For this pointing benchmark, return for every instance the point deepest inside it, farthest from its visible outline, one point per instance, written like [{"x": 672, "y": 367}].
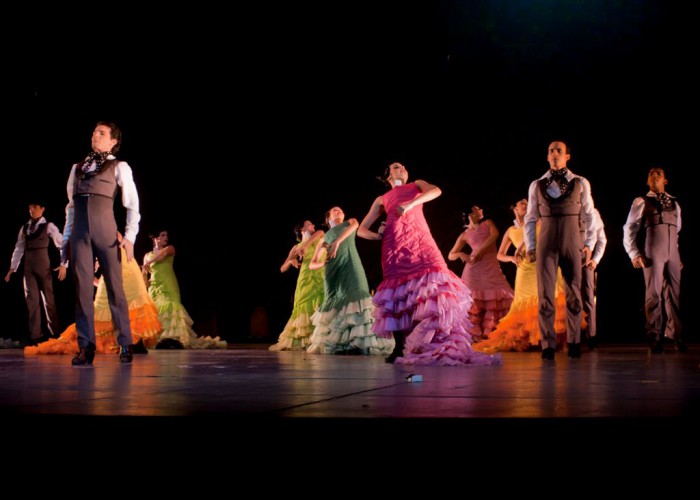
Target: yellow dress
[
  {"x": 519, "y": 329},
  {"x": 143, "y": 317}
]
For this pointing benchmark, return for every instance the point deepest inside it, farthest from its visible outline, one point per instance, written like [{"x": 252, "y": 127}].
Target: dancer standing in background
[
  {"x": 165, "y": 292},
  {"x": 33, "y": 244},
  {"x": 489, "y": 289},
  {"x": 343, "y": 323},
  {"x": 658, "y": 215},
  {"x": 308, "y": 295}
]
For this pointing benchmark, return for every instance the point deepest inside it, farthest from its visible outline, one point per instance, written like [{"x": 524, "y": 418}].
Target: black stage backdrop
[{"x": 239, "y": 125}]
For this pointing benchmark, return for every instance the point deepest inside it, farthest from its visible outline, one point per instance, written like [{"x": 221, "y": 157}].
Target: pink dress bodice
[{"x": 408, "y": 247}]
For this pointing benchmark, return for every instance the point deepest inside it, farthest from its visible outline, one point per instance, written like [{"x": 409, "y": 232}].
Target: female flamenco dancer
[
  {"x": 308, "y": 295},
  {"x": 343, "y": 323},
  {"x": 420, "y": 301},
  {"x": 165, "y": 292},
  {"x": 489, "y": 289}
]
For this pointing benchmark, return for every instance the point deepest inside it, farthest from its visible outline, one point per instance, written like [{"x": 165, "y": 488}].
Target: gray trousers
[
  {"x": 38, "y": 288},
  {"x": 661, "y": 299},
  {"x": 559, "y": 245},
  {"x": 95, "y": 236}
]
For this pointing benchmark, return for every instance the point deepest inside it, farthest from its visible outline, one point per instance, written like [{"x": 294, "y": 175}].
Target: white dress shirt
[{"x": 17, "y": 254}]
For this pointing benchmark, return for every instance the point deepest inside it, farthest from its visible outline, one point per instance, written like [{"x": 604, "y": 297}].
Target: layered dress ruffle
[
  {"x": 143, "y": 318},
  {"x": 419, "y": 295},
  {"x": 488, "y": 287},
  {"x": 308, "y": 296},
  {"x": 177, "y": 323},
  {"x": 519, "y": 330},
  {"x": 488, "y": 308},
  {"x": 348, "y": 330},
  {"x": 343, "y": 323}
]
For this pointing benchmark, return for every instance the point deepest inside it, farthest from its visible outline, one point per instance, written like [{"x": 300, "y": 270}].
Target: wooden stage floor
[
  {"x": 245, "y": 389},
  {"x": 613, "y": 381}
]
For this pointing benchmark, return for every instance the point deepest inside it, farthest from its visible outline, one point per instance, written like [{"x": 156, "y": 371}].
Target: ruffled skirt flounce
[
  {"x": 177, "y": 325},
  {"x": 519, "y": 330},
  {"x": 488, "y": 307},
  {"x": 143, "y": 319},
  {"x": 433, "y": 307},
  {"x": 348, "y": 330},
  {"x": 296, "y": 334}
]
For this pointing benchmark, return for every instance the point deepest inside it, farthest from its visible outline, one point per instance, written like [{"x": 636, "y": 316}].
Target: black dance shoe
[
  {"x": 85, "y": 356},
  {"x": 126, "y": 353},
  {"x": 397, "y": 352},
  {"x": 574, "y": 350},
  {"x": 548, "y": 353},
  {"x": 391, "y": 358}
]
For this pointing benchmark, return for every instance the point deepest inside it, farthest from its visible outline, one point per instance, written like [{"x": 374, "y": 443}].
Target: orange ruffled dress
[{"x": 143, "y": 317}]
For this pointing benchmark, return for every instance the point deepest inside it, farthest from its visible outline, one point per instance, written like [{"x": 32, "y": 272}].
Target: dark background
[{"x": 238, "y": 125}]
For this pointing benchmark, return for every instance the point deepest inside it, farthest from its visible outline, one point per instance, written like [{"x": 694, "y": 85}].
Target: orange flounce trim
[
  {"x": 145, "y": 326},
  {"x": 519, "y": 330}
]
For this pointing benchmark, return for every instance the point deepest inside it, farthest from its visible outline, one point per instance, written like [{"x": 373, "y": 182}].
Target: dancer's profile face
[
  {"x": 397, "y": 172},
  {"x": 337, "y": 215},
  {"x": 162, "y": 238}
]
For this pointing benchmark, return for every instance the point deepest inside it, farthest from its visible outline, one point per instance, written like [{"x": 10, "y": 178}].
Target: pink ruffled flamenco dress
[{"x": 420, "y": 296}]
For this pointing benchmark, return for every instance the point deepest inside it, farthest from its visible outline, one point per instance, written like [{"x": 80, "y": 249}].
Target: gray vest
[
  {"x": 569, "y": 203},
  {"x": 103, "y": 183},
  {"x": 660, "y": 227},
  {"x": 38, "y": 239},
  {"x": 654, "y": 213}
]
